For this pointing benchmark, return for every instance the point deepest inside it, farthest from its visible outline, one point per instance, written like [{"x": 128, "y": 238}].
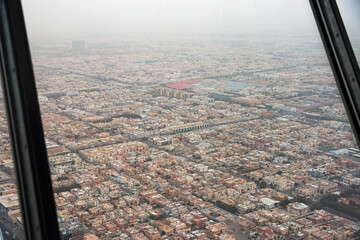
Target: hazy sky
[
  {"x": 83, "y": 19},
  {"x": 350, "y": 12}
]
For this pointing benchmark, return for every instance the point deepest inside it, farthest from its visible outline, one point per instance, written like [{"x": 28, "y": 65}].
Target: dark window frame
[
  {"x": 341, "y": 58},
  {"x": 24, "y": 119}
]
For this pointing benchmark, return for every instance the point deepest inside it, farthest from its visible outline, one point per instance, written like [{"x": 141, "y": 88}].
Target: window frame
[
  {"x": 341, "y": 58},
  {"x": 32, "y": 170}
]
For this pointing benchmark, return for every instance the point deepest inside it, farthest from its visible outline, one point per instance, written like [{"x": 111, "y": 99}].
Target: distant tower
[{"x": 78, "y": 46}]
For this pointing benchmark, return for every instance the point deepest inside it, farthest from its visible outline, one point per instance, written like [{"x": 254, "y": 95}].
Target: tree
[
  {"x": 158, "y": 217},
  {"x": 62, "y": 178},
  {"x": 346, "y": 193},
  {"x": 285, "y": 202},
  {"x": 332, "y": 197},
  {"x": 263, "y": 184},
  {"x": 66, "y": 188},
  {"x": 303, "y": 200},
  {"x": 315, "y": 206},
  {"x": 226, "y": 207}
]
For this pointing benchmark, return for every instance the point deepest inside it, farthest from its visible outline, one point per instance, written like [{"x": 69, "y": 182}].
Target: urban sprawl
[{"x": 226, "y": 138}]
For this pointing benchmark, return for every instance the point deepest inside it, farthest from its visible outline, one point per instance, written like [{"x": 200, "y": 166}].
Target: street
[{"x": 7, "y": 226}]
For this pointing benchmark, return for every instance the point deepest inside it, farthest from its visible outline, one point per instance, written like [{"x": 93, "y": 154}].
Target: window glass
[
  {"x": 192, "y": 120},
  {"x": 349, "y": 10},
  {"x": 11, "y": 226}
]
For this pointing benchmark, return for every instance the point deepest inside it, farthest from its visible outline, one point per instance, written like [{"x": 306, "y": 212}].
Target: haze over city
[
  {"x": 84, "y": 19},
  {"x": 191, "y": 119}
]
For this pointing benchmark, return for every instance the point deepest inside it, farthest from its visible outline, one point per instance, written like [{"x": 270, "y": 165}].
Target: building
[
  {"x": 188, "y": 127},
  {"x": 9, "y": 203},
  {"x": 298, "y": 208},
  {"x": 269, "y": 203},
  {"x": 350, "y": 180},
  {"x": 173, "y": 93},
  {"x": 161, "y": 141},
  {"x": 55, "y": 149}
]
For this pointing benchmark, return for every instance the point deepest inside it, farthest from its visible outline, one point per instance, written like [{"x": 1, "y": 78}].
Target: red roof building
[{"x": 186, "y": 84}]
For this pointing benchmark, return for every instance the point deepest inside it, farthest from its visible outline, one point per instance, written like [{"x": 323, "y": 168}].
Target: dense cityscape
[{"x": 211, "y": 138}]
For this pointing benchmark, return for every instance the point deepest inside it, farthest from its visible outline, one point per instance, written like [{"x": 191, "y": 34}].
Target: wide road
[{"x": 7, "y": 226}]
